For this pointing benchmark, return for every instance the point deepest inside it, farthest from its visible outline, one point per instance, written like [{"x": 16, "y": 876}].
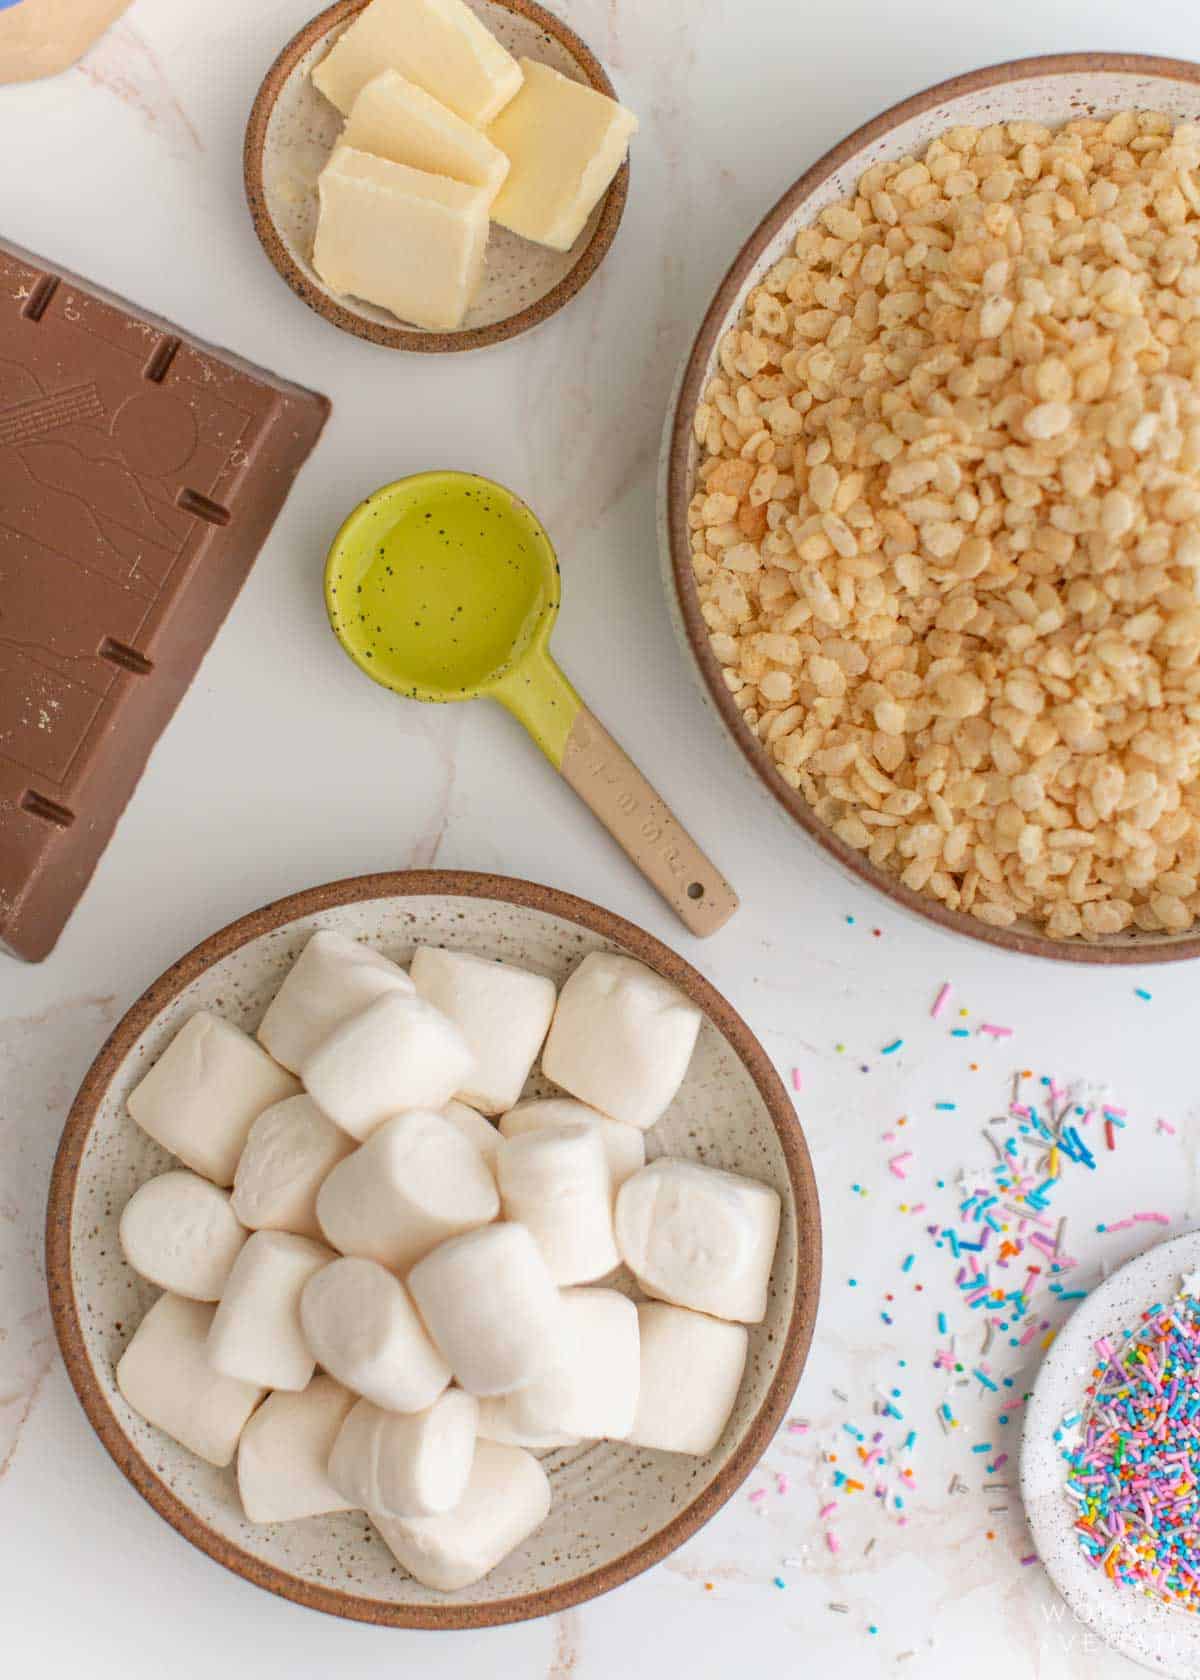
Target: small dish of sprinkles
[
  {"x": 1134, "y": 1474},
  {"x": 1110, "y": 1460}
]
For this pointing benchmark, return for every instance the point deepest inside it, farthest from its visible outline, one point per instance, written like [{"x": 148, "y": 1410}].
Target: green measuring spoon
[{"x": 443, "y": 586}]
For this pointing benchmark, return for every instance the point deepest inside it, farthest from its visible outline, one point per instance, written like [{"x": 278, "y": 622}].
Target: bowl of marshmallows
[{"x": 435, "y": 1249}]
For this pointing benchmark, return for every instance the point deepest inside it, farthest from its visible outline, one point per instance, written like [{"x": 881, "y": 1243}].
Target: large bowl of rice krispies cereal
[{"x": 931, "y": 505}]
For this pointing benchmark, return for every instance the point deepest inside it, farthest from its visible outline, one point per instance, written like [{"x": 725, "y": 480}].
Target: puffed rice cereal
[{"x": 946, "y": 530}]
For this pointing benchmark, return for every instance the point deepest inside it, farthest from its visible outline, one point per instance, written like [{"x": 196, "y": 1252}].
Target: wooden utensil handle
[{"x": 608, "y": 781}]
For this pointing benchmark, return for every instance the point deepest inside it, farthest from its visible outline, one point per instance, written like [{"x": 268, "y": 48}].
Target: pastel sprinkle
[
  {"x": 890, "y": 1049},
  {"x": 1141, "y": 992},
  {"x": 941, "y": 1000},
  {"x": 832, "y": 1541},
  {"x": 758, "y": 1496},
  {"x": 960, "y": 1032},
  {"x": 945, "y": 1105},
  {"x": 898, "y": 1165},
  {"x": 797, "y": 1082},
  {"x": 908, "y": 1263},
  {"x": 994, "y": 1031}
]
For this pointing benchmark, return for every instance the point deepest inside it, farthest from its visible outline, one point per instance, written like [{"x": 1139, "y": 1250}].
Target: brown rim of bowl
[
  {"x": 451, "y": 884},
  {"x": 412, "y": 338},
  {"x": 1148, "y": 948}
]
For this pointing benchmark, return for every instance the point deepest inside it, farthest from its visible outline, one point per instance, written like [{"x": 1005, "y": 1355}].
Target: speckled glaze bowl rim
[
  {"x": 463, "y": 884},
  {"x": 1143, "y": 948},
  {"x": 401, "y": 337}
]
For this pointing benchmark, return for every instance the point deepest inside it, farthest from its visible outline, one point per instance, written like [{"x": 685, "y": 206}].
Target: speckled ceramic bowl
[
  {"x": 617, "y": 1509},
  {"x": 292, "y": 131},
  {"x": 1047, "y": 90},
  {"x": 1142, "y": 1628}
]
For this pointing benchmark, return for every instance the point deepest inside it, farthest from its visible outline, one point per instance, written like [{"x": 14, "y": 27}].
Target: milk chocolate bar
[{"x": 140, "y": 472}]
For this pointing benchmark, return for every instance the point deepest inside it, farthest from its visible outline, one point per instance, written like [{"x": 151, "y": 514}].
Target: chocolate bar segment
[{"x": 140, "y": 472}]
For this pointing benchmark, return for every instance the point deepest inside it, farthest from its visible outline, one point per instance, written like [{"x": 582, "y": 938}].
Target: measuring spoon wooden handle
[{"x": 612, "y": 786}]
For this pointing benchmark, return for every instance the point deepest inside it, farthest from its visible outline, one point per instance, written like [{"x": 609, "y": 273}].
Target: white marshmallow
[
  {"x": 691, "y": 1371},
  {"x": 503, "y": 1013},
  {"x": 500, "y": 1420},
  {"x": 284, "y": 1451},
  {"x": 475, "y": 1128},
  {"x": 256, "y": 1334},
  {"x": 624, "y": 1145},
  {"x": 397, "y": 1053},
  {"x": 699, "y": 1237},
  {"x": 414, "y": 1464},
  {"x": 165, "y": 1376},
  {"x": 415, "y": 1182},
  {"x": 555, "y": 1182},
  {"x": 490, "y": 1304},
  {"x": 621, "y": 1039},
  {"x": 291, "y": 1150},
  {"x": 362, "y": 1327},
  {"x": 202, "y": 1095},
  {"x": 182, "y": 1233},
  {"x": 332, "y": 979},
  {"x": 590, "y": 1389},
  {"x": 507, "y": 1497}
]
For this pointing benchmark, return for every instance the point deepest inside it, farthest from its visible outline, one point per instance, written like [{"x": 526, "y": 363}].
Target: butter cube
[
  {"x": 395, "y": 119},
  {"x": 564, "y": 142},
  {"x": 439, "y": 44},
  {"x": 401, "y": 238}
]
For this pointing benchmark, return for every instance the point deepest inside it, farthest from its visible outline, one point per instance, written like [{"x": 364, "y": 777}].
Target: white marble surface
[{"x": 284, "y": 767}]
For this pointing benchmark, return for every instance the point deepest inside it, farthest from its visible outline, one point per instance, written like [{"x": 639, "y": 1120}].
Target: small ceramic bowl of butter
[{"x": 436, "y": 174}]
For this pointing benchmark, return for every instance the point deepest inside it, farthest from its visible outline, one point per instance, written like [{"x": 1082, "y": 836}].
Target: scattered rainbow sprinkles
[
  {"x": 991, "y": 1250},
  {"x": 1135, "y": 1472},
  {"x": 998, "y": 1258}
]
